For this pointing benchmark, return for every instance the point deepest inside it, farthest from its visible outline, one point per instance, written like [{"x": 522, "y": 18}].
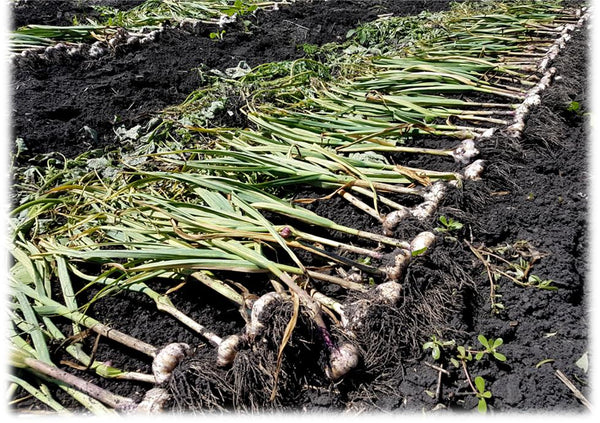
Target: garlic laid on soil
[
  {"x": 167, "y": 359},
  {"x": 432, "y": 198},
  {"x": 389, "y": 292},
  {"x": 395, "y": 271},
  {"x": 153, "y": 402},
  {"x": 465, "y": 151},
  {"x": 254, "y": 327},
  {"x": 227, "y": 350},
  {"x": 392, "y": 219},
  {"x": 354, "y": 314},
  {"x": 474, "y": 170},
  {"x": 422, "y": 241},
  {"x": 342, "y": 360}
]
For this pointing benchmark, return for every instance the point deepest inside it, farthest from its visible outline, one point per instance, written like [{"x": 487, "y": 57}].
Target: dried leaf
[{"x": 413, "y": 175}]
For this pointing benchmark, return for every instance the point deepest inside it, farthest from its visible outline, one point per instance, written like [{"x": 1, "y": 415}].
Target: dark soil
[
  {"x": 546, "y": 176},
  {"x": 534, "y": 189},
  {"x": 56, "y": 98}
]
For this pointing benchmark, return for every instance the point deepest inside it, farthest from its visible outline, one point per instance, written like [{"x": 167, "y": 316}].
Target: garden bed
[{"x": 530, "y": 204}]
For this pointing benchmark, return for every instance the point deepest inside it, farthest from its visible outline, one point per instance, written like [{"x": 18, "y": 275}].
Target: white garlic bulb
[
  {"x": 227, "y": 350},
  {"x": 167, "y": 359},
  {"x": 254, "y": 327},
  {"x": 392, "y": 220},
  {"x": 422, "y": 241},
  {"x": 474, "y": 170},
  {"x": 153, "y": 402},
  {"x": 389, "y": 292},
  {"x": 401, "y": 260}
]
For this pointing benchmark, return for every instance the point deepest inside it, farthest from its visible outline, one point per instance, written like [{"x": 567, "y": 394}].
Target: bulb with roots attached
[
  {"x": 388, "y": 293},
  {"x": 167, "y": 359},
  {"x": 227, "y": 350},
  {"x": 474, "y": 170},
  {"x": 465, "y": 151},
  {"x": 422, "y": 242},
  {"x": 342, "y": 360},
  {"x": 419, "y": 244},
  {"x": 254, "y": 327},
  {"x": 355, "y": 313},
  {"x": 393, "y": 218}
]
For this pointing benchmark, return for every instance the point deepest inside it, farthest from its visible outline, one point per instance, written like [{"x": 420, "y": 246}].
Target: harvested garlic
[
  {"x": 342, "y": 360},
  {"x": 167, "y": 359},
  {"x": 227, "y": 350},
  {"x": 254, "y": 327},
  {"x": 389, "y": 292}
]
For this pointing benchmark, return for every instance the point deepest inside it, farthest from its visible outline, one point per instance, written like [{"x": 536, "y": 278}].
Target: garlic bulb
[
  {"x": 436, "y": 192},
  {"x": 401, "y": 260},
  {"x": 167, "y": 359},
  {"x": 422, "y": 241},
  {"x": 488, "y": 133},
  {"x": 388, "y": 292},
  {"x": 153, "y": 401},
  {"x": 474, "y": 170},
  {"x": 465, "y": 151},
  {"x": 254, "y": 327},
  {"x": 391, "y": 220},
  {"x": 342, "y": 360},
  {"x": 227, "y": 350}
]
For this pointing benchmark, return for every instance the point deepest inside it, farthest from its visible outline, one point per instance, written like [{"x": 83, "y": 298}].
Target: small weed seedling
[
  {"x": 491, "y": 345},
  {"x": 482, "y": 394},
  {"x": 217, "y": 36},
  {"x": 448, "y": 226},
  {"x": 519, "y": 274},
  {"x": 463, "y": 355},
  {"x": 436, "y": 346},
  {"x": 574, "y": 108}
]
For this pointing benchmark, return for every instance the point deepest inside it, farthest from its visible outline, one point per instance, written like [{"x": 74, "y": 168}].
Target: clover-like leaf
[
  {"x": 484, "y": 341},
  {"x": 499, "y": 357},
  {"x": 482, "y": 406},
  {"x": 480, "y": 384}
]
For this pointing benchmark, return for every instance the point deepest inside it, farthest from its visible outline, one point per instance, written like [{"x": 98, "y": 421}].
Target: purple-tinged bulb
[{"x": 342, "y": 360}]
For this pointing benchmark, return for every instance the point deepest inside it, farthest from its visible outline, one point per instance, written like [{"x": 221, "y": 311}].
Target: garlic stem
[{"x": 112, "y": 400}]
